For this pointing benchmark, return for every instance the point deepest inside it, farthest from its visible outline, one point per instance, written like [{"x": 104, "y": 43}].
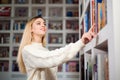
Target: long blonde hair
[{"x": 26, "y": 39}]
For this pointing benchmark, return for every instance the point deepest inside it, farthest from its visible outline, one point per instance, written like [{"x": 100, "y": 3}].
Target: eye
[
  {"x": 38, "y": 23},
  {"x": 44, "y": 23}
]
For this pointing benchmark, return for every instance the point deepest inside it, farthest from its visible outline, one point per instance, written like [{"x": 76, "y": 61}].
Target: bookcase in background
[
  {"x": 62, "y": 20},
  {"x": 99, "y": 58}
]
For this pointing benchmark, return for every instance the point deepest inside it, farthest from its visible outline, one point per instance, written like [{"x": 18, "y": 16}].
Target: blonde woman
[{"x": 38, "y": 62}]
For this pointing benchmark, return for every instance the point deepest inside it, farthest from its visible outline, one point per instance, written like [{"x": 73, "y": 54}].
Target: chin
[{"x": 42, "y": 34}]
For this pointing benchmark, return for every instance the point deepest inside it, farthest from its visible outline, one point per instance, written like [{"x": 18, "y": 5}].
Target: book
[
  {"x": 99, "y": 17},
  {"x": 39, "y": 12},
  {"x": 72, "y": 37},
  {"x": 60, "y": 69},
  {"x": 86, "y": 22},
  {"x": 5, "y": 11},
  {"x": 82, "y": 67},
  {"x": 4, "y": 66},
  {"x": 15, "y": 66},
  {"x": 69, "y": 1},
  {"x": 5, "y": 1},
  {"x": 106, "y": 65},
  {"x": 55, "y": 38},
  {"x": 82, "y": 30},
  {"x": 88, "y": 67},
  {"x": 4, "y": 52},
  {"x": 94, "y": 15},
  {"x": 102, "y": 64},
  {"x": 72, "y": 66},
  {"x": 102, "y": 14},
  {"x": 95, "y": 68}
]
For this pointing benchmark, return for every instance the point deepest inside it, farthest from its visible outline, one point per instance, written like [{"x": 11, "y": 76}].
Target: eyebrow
[{"x": 40, "y": 21}]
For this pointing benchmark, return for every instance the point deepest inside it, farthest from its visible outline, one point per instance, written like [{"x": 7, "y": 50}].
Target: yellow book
[
  {"x": 99, "y": 17},
  {"x": 103, "y": 14}
]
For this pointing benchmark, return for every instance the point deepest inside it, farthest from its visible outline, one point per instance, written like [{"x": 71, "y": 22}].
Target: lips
[{"x": 43, "y": 29}]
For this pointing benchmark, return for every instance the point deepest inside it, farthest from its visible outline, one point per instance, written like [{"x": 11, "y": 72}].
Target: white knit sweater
[{"x": 41, "y": 64}]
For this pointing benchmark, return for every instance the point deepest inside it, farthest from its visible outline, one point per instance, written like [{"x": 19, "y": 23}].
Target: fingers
[
  {"x": 92, "y": 28},
  {"x": 91, "y": 31},
  {"x": 87, "y": 37},
  {"x": 92, "y": 34}
]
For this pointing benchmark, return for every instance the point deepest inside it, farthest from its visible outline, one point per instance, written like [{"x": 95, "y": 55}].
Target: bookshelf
[
  {"x": 62, "y": 20},
  {"x": 99, "y": 59}
]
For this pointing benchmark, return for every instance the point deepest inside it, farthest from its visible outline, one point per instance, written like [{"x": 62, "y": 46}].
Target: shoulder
[
  {"x": 33, "y": 50},
  {"x": 27, "y": 47}
]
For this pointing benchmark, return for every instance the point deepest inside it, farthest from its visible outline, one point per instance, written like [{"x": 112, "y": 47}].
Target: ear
[{"x": 32, "y": 29}]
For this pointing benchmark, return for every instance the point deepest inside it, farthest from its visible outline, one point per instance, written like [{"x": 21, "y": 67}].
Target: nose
[{"x": 43, "y": 25}]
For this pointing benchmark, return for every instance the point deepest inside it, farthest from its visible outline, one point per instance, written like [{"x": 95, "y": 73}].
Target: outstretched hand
[{"x": 88, "y": 36}]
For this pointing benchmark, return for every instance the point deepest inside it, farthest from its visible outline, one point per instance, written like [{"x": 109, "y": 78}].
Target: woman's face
[{"x": 39, "y": 27}]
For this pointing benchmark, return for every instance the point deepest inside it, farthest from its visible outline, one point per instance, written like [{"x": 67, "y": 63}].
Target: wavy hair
[{"x": 26, "y": 39}]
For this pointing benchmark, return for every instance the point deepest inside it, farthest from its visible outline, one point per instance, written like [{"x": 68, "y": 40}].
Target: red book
[{"x": 5, "y": 11}]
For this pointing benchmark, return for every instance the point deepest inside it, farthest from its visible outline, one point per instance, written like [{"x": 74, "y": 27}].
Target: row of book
[
  {"x": 4, "y": 38},
  {"x": 55, "y": 25},
  {"x": 5, "y": 25},
  {"x": 4, "y": 66},
  {"x": 17, "y": 38},
  {"x": 71, "y": 66},
  {"x": 19, "y": 25},
  {"x": 21, "y": 11},
  {"x": 72, "y": 1},
  {"x": 72, "y": 37},
  {"x": 4, "y": 52},
  {"x": 15, "y": 66},
  {"x": 5, "y": 1},
  {"x": 72, "y": 25},
  {"x": 9, "y": 1},
  {"x": 72, "y": 13},
  {"x": 100, "y": 67},
  {"x": 96, "y": 68},
  {"x": 15, "y": 51},
  {"x": 95, "y": 14},
  {"x": 55, "y": 38},
  {"x": 38, "y": 1}
]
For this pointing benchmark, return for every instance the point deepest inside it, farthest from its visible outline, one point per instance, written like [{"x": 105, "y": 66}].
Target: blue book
[{"x": 86, "y": 22}]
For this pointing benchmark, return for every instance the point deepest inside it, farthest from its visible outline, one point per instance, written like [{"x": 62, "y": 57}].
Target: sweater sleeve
[{"x": 36, "y": 58}]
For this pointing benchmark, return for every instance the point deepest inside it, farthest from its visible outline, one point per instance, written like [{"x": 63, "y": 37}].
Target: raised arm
[{"x": 37, "y": 58}]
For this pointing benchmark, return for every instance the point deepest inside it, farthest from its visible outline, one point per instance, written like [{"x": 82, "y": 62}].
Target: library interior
[{"x": 66, "y": 22}]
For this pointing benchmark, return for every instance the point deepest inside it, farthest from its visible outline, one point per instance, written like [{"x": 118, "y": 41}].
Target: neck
[{"x": 37, "y": 38}]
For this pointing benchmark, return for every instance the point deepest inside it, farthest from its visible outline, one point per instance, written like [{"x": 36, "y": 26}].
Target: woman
[{"x": 38, "y": 62}]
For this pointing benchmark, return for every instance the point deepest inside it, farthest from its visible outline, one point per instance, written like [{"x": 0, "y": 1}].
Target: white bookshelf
[
  {"x": 105, "y": 43},
  {"x": 54, "y": 12}
]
